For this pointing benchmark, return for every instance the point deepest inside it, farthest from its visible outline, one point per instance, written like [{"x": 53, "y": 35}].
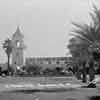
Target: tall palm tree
[
  {"x": 7, "y": 46},
  {"x": 86, "y": 37}
]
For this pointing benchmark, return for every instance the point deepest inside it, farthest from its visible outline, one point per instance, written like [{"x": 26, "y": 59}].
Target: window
[
  {"x": 49, "y": 62},
  {"x": 57, "y": 62},
  {"x": 17, "y": 43}
]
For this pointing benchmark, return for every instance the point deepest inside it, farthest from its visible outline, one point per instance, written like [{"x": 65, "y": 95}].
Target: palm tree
[
  {"x": 7, "y": 46},
  {"x": 86, "y": 38}
]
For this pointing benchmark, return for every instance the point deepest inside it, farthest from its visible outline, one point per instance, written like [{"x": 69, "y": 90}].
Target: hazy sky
[{"x": 45, "y": 24}]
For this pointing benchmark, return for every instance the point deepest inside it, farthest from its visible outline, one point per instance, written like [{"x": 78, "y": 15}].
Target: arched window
[
  {"x": 57, "y": 62},
  {"x": 18, "y": 43}
]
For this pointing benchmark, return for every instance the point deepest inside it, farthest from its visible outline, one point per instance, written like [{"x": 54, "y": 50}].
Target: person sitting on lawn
[{"x": 92, "y": 84}]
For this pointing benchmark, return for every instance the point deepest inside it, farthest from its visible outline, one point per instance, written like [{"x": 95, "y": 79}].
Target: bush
[{"x": 32, "y": 69}]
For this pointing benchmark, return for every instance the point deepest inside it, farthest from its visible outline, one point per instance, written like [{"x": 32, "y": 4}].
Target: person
[{"x": 92, "y": 84}]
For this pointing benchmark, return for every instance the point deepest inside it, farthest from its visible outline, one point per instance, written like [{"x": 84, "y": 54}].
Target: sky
[{"x": 45, "y": 24}]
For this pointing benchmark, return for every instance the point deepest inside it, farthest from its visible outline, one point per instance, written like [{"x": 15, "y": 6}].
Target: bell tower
[{"x": 17, "y": 50}]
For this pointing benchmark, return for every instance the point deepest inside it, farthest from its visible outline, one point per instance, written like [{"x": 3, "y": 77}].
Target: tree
[
  {"x": 86, "y": 38},
  {"x": 7, "y": 46}
]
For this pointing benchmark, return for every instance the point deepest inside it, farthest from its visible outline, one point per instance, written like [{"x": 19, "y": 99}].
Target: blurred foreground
[{"x": 31, "y": 94}]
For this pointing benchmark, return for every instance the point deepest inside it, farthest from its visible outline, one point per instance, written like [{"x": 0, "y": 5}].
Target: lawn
[{"x": 70, "y": 94}]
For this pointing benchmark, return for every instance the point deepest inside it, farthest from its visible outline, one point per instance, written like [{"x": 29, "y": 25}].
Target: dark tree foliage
[
  {"x": 7, "y": 46},
  {"x": 85, "y": 41},
  {"x": 33, "y": 69},
  {"x": 96, "y": 56}
]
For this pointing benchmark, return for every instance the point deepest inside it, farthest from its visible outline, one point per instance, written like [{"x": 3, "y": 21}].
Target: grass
[
  {"x": 82, "y": 94},
  {"x": 71, "y": 94}
]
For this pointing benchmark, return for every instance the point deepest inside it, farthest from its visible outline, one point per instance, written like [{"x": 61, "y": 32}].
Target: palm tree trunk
[
  {"x": 78, "y": 74},
  {"x": 84, "y": 73},
  {"x": 91, "y": 74},
  {"x": 91, "y": 71},
  {"x": 84, "y": 76},
  {"x": 8, "y": 64}
]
